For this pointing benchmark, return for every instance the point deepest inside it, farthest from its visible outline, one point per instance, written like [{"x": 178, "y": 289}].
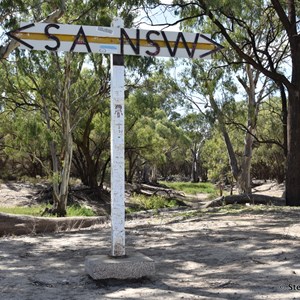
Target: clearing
[{"x": 248, "y": 253}]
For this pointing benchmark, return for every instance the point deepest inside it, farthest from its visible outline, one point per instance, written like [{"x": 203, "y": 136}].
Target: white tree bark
[
  {"x": 244, "y": 178},
  {"x": 241, "y": 172},
  {"x": 64, "y": 113}
]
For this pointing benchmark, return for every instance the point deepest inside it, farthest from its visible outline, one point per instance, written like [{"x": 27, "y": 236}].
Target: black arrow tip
[{"x": 12, "y": 32}]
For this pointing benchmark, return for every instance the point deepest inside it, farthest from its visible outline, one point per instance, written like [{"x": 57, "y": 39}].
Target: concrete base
[{"x": 135, "y": 265}]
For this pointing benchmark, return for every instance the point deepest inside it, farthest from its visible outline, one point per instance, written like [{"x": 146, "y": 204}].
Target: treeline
[
  {"x": 222, "y": 120},
  {"x": 166, "y": 138}
]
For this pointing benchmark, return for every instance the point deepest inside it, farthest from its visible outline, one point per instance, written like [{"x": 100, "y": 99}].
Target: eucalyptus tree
[
  {"x": 54, "y": 81},
  {"x": 268, "y": 151},
  {"x": 197, "y": 129},
  {"x": 220, "y": 90},
  {"x": 24, "y": 148},
  {"x": 269, "y": 158},
  {"x": 280, "y": 22},
  {"x": 155, "y": 143},
  {"x": 92, "y": 133},
  {"x": 21, "y": 123}
]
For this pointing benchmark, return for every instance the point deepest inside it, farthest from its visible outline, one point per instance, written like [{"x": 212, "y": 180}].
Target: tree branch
[{"x": 283, "y": 17}]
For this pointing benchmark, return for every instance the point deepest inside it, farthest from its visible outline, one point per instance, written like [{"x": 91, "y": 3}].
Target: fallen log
[
  {"x": 244, "y": 199},
  {"x": 19, "y": 224}
]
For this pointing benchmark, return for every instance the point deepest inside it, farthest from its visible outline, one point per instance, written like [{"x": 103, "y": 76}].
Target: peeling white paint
[{"x": 117, "y": 157}]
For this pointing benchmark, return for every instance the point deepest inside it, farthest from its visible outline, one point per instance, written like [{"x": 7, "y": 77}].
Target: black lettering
[
  {"x": 76, "y": 42},
  {"x": 180, "y": 36},
  {"x": 216, "y": 48},
  {"x": 152, "y": 43},
  {"x": 52, "y": 37},
  {"x": 135, "y": 48},
  {"x": 171, "y": 51},
  {"x": 12, "y": 33},
  {"x": 194, "y": 47},
  {"x": 291, "y": 287}
]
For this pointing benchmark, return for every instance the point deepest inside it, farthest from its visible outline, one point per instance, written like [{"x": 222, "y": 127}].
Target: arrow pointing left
[{"x": 14, "y": 35}]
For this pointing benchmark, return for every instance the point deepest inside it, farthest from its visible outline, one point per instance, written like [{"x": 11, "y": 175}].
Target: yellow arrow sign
[
  {"x": 77, "y": 38},
  {"x": 107, "y": 40}
]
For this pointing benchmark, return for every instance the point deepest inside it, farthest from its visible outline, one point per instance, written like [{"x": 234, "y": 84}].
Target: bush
[
  {"x": 142, "y": 202},
  {"x": 192, "y": 188}
]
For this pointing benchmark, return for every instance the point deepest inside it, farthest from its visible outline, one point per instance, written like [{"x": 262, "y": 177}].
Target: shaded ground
[
  {"x": 25, "y": 194},
  {"x": 19, "y": 194},
  {"x": 208, "y": 256},
  {"x": 251, "y": 254}
]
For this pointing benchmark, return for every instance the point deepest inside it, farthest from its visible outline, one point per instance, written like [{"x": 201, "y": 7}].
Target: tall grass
[
  {"x": 142, "y": 202},
  {"x": 192, "y": 188},
  {"x": 37, "y": 210},
  {"x": 80, "y": 211}
]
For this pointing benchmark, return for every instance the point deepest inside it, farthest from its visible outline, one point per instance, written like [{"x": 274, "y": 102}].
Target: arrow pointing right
[
  {"x": 13, "y": 34},
  {"x": 218, "y": 46}
]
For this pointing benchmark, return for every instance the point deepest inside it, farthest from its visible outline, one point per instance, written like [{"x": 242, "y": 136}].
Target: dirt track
[{"x": 209, "y": 256}]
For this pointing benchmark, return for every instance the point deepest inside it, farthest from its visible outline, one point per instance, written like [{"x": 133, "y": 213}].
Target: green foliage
[
  {"x": 157, "y": 134},
  {"x": 269, "y": 160},
  {"x": 152, "y": 137},
  {"x": 268, "y": 156},
  {"x": 215, "y": 158},
  {"x": 37, "y": 210},
  {"x": 78, "y": 211},
  {"x": 192, "y": 188},
  {"x": 142, "y": 202}
]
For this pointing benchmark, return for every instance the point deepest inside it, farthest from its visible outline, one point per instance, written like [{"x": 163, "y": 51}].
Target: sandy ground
[
  {"x": 18, "y": 194},
  {"x": 216, "y": 255}
]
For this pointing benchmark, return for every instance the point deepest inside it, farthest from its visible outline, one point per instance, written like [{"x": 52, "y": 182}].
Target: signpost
[
  {"x": 117, "y": 41},
  {"x": 113, "y": 40},
  {"x": 117, "y": 106}
]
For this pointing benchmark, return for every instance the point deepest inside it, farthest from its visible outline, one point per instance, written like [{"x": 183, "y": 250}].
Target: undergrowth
[
  {"x": 36, "y": 210},
  {"x": 192, "y": 188},
  {"x": 142, "y": 202}
]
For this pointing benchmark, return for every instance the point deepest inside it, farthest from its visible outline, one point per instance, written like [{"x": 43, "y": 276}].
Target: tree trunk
[
  {"x": 293, "y": 158},
  {"x": 132, "y": 165},
  {"x": 61, "y": 208},
  {"x": 145, "y": 174},
  {"x": 86, "y": 158},
  {"x": 243, "y": 199},
  {"x": 61, "y": 205},
  {"x": 244, "y": 178},
  {"x": 53, "y": 152},
  {"x": 284, "y": 117},
  {"x": 102, "y": 178},
  {"x": 153, "y": 178},
  {"x": 86, "y": 165},
  {"x": 241, "y": 173},
  {"x": 91, "y": 170},
  {"x": 195, "y": 166},
  {"x": 232, "y": 158}
]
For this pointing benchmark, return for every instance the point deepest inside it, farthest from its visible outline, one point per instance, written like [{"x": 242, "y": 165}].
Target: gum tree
[
  {"x": 54, "y": 79},
  {"x": 280, "y": 22}
]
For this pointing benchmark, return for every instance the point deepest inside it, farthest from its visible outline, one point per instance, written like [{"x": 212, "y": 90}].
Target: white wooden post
[{"x": 117, "y": 152}]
